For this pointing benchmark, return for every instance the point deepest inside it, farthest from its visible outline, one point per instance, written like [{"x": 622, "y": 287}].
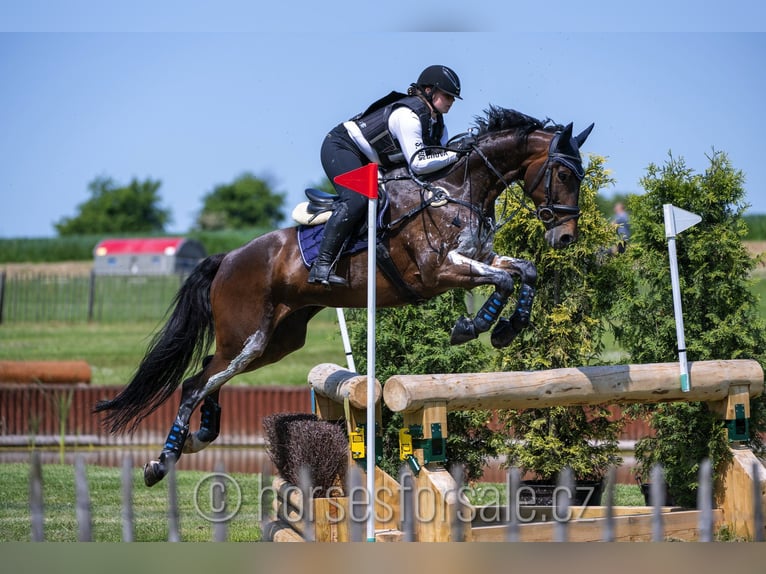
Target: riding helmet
[{"x": 440, "y": 77}]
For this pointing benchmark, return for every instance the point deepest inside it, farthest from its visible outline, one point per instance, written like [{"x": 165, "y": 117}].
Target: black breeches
[{"x": 339, "y": 155}]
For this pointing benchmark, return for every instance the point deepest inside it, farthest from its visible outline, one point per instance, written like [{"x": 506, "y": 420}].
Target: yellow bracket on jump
[
  {"x": 356, "y": 437},
  {"x": 405, "y": 444}
]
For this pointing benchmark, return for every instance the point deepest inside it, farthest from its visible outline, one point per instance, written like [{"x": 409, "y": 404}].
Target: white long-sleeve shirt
[{"x": 406, "y": 128}]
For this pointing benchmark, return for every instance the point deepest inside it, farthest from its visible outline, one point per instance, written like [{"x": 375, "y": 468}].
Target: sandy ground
[{"x": 756, "y": 247}]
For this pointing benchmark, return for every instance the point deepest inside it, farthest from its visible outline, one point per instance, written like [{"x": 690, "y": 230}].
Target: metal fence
[
  {"x": 81, "y": 298},
  {"x": 274, "y": 527}
]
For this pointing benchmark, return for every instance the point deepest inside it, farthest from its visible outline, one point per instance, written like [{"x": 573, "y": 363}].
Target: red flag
[{"x": 362, "y": 180}]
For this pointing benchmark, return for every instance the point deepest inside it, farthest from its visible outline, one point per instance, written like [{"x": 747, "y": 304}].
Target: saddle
[
  {"x": 320, "y": 205},
  {"x": 311, "y": 216},
  {"x": 317, "y": 209}
]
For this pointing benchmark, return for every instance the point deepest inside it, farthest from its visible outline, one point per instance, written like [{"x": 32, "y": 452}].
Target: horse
[{"x": 255, "y": 302}]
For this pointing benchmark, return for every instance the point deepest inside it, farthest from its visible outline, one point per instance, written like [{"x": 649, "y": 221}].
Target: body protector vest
[{"x": 373, "y": 123}]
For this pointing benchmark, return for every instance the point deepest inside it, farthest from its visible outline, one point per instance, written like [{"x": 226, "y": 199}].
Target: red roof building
[{"x": 147, "y": 256}]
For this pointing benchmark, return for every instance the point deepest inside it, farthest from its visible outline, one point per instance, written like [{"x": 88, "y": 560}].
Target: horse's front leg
[
  {"x": 506, "y": 330},
  {"x": 470, "y": 273}
]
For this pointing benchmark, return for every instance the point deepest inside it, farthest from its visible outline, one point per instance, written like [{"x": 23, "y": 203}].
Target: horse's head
[{"x": 552, "y": 180}]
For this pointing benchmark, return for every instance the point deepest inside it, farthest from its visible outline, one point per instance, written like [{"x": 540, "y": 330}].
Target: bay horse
[{"x": 255, "y": 302}]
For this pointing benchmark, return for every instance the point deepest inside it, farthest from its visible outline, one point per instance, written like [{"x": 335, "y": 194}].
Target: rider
[{"x": 390, "y": 133}]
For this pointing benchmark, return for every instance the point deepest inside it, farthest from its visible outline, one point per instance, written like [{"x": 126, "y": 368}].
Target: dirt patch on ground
[
  {"x": 70, "y": 268},
  {"x": 756, "y": 247}
]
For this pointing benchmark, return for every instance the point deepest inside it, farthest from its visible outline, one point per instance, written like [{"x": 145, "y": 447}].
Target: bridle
[
  {"x": 554, "y": 214},
  {"x": 550, "y": 214}
]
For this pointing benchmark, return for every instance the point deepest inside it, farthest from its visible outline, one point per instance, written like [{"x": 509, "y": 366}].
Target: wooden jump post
[
  {"x": 727, "y": 385},
  {"x": 425, "y": 400},
  {"x": 342, "y": 394}
]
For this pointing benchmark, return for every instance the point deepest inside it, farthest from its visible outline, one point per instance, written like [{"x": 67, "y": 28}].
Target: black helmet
[{"x": 440, "y": 77}]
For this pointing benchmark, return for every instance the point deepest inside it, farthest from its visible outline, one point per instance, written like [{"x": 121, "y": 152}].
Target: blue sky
[{"x": 194, "y": 100}]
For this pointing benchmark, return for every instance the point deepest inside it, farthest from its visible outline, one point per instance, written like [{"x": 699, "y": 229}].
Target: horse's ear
[
  {"x": 566, "y": 135},
  {"x": 564, "y": 144},
  {"x": 580, "y": 139}
]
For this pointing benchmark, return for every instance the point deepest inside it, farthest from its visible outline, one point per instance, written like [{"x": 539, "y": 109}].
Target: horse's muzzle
[{"x": 560, "y": 237}]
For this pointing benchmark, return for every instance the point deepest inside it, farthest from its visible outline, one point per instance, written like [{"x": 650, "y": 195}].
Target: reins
[{"x": 548, "y": 213}]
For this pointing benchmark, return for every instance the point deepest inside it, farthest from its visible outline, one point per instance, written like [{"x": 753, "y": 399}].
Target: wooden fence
[
  {"x": 424, "y": 400},
  {"x": 31, "y": 414}
]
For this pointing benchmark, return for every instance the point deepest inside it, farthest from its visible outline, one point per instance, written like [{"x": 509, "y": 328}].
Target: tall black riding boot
[{"x": 337, "y": 229}]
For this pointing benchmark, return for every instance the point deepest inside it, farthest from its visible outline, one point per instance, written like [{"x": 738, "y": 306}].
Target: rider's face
[{"x": 442, "y": 101}]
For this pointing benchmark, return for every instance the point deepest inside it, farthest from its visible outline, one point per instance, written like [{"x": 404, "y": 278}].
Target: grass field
[
  {"x": 115, "y": 350},
  {"x": 151, "y": 505}
]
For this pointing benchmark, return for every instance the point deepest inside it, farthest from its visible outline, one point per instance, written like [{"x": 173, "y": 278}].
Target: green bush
[
  {"x": 575, "y": 290},
  {"x": 721, "y": 316}
]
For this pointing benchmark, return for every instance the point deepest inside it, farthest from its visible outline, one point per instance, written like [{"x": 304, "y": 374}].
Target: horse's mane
[{"x": 498, "y": 119}]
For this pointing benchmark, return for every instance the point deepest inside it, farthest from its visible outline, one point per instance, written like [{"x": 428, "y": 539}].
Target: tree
[
  {"x": 575, "y": 286},
  {"x": 247, "y": 202},
  {"x": 574, "y": 294},
  {"x": 113, "y": 208},
  {"x": 721, "y": 319}
]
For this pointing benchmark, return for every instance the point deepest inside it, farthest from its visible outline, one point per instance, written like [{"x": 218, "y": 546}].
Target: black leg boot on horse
[{"x": 337, "y": 230}]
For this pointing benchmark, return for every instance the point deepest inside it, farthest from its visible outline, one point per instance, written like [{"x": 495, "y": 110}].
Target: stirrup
[{"x": 328, "y": 279}]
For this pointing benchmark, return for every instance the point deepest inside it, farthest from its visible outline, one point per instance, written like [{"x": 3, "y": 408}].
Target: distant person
[
  {"x": 390, "y": 133},
  {"x": 622, "y": 222}
]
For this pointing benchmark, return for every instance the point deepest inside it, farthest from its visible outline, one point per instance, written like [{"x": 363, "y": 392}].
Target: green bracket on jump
[
  {"x": 739, "y": 427},
  {"x": 434, "y": 448}
]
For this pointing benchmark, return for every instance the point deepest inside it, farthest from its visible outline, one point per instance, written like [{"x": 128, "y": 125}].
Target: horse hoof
[
  {"x": 463, "y": 331},
  {"x": 154, "y": 472},
  {"x": 503, "y": 334}
]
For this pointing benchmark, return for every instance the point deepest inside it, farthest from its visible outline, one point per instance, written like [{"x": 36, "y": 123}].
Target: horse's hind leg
[
  {"x": 176, "y": 440},
  {"x": 194, "y": 390},
  {"x": 289, "y": 336},
  {"x": 210, "y": 421}
]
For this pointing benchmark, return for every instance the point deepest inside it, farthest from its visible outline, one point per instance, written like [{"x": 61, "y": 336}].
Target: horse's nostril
[{"x": 566, "y": 239}]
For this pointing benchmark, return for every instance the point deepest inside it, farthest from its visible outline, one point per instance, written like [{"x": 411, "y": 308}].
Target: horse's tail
[{"x": 186, "y": 337}]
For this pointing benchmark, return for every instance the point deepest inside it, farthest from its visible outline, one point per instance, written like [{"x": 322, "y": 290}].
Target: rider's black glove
[{"x": 465, "y": 144}]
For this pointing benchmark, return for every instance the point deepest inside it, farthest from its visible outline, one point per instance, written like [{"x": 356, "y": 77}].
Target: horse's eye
[{"x": 563, "y": 176}]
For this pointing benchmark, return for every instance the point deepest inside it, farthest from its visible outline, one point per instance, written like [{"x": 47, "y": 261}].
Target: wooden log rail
[
  {"x": 711, "y": 381},
  {"x": 336, "y": 383},
  {"x": 47, "y": 372}
]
